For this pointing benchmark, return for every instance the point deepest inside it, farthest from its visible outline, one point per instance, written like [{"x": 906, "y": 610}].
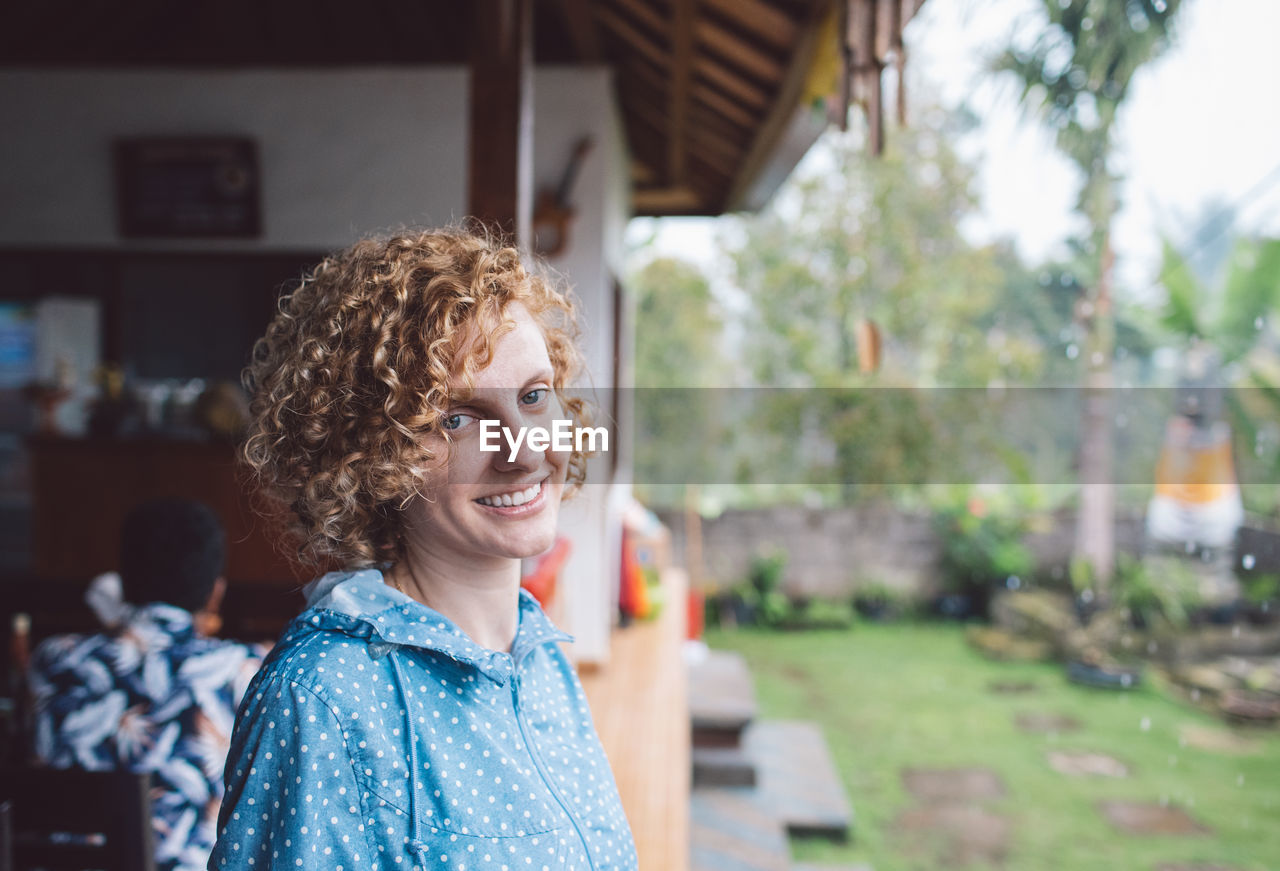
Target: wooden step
[
  {"x": 797, "y": 779},
  {"x": 732, "y": 831},
  {"x": 722, "y": 699},
  {"x": 723, "y": 766}
]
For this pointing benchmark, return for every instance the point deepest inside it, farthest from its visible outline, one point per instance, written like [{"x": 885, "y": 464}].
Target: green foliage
[
  {"x": 1077, "y": 73},
  {"x": 880, "y": 601},
  {"x": 1080, "y": 571},
  {"x": 1228, "y": 315},
  {"x": 764, "y": 588},
  {"x": 680, "y": 437},
  {"x": 1261, "y": 588},
  {"x": 1155, "y": 592},
  {"x": 878, "y": 239},
  {"x": 980, "y": 548},
  {"x": 679, "y": 327},
  {"x": 818, "y": 613}
]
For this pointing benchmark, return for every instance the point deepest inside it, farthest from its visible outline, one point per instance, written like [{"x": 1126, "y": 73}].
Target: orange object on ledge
[{"x": 541, "y": 580}]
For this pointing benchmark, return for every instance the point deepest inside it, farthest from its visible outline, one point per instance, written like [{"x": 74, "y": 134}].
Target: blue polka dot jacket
[{"x": 379, "y": 735}]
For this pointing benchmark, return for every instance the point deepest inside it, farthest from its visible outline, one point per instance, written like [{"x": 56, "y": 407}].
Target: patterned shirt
[
  {"x": 150, "y": 696},
  {"x": 379, "y": 735}
]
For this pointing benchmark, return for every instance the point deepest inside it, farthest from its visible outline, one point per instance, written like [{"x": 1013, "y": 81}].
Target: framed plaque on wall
[{"x": 206, "y": 187}]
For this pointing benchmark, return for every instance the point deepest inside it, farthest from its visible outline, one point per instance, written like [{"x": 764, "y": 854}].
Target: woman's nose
[{"x": 523, "y": 439}]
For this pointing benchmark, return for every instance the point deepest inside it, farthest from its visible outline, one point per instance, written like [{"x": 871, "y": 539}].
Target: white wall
[
  {"x": 343, "y": 153},
  {"x": 569, "y": 104}
]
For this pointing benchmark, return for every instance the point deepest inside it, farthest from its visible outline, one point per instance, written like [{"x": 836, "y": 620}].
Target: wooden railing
[{"x": 640, "y": 704}]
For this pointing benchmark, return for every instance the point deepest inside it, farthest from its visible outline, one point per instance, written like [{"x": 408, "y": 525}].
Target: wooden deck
[{"x": 641, "y": 711}]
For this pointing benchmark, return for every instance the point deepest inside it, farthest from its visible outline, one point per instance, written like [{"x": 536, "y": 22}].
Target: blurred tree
[
  {"x": 850, "y": 238},
  {"x": 681, "y": 372},
  {"x": 1075, "y": 76},
  {"x": 1231, "y": 314},
  {"x": 679, "y": 327},
  {"x": 857, "y": 238}
]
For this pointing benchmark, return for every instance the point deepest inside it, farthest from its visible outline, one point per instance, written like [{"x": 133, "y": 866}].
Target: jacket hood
[{"x": 361, "y": 604}]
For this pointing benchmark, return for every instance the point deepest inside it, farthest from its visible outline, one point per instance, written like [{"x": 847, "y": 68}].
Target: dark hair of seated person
[{"x": 171, "y": 551}]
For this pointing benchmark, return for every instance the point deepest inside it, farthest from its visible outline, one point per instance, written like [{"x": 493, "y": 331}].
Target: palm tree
[{"x": 1074, "y": 78}]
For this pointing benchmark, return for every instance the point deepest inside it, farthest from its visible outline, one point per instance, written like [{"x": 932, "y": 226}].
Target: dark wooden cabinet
[{"x": 81, "y": 490}]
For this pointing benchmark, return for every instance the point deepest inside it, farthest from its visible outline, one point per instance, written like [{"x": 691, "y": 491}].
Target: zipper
[{"x": 542, "y": 769}]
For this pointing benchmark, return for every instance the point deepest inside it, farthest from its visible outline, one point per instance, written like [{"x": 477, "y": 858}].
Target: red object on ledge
[{"x": 541, "y": 580}]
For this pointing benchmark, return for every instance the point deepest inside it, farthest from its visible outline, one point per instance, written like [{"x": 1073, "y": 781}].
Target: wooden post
[
  {"x": 682, "y": 16},
  {"x": 501, "y": 116},
  {"x": 693, "y": 535}
]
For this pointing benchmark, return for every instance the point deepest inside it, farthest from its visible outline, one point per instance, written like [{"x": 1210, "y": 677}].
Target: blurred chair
[{"x": 73, "y": 820}]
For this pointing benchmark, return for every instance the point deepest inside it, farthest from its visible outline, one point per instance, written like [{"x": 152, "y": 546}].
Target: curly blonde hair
[{"x": 356, "y": 366}]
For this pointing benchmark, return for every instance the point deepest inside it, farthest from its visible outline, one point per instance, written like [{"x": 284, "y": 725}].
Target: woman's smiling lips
[{"x": 512, "y": 503}]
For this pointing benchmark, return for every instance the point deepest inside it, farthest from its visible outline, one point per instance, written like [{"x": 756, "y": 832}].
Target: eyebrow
[{"x": 464, "y": 394}]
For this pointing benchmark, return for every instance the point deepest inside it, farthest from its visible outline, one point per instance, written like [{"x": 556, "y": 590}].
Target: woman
[{"x": 419, "y": 713}]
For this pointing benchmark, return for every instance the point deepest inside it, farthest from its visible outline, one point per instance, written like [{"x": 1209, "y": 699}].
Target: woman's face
[{"x": 499, "y": 504}]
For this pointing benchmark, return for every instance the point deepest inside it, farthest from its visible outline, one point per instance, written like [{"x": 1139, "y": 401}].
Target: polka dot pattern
[{"x": 378, "y": 735}]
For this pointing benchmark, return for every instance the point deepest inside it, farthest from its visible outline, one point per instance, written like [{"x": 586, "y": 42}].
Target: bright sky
[{"x": 1202, "y": 125}]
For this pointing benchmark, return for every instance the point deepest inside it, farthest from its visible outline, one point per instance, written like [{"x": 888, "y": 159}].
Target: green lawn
[{"x": 897, "y": 696}]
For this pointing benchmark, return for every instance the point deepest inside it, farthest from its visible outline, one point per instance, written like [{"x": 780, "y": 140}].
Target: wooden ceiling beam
[
  {"x": 631, "y": 37},
  {"x": 683, "y": 14},
  {"x": 708, "y": 140},
  {"x": 724, "y": 107},
  {"x": 667, "y": 201},
  {"x": 636, "y": 68},
  {"x": 734, "y": 86},
  {"x": 645, "y": 15},
  {"x": 760, "y": 17},
  {"x": 742, "y": 54},
  {"x": 643, "y": 175},
  {"x": 784, "y": 105},
  {"x": 580, "y": 24},
  {"x": 702, "y": 116},
  {"x": 500, "y": 116}
]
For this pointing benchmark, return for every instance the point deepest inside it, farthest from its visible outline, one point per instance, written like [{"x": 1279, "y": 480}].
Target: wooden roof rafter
[{"x": 713, "y": 76}]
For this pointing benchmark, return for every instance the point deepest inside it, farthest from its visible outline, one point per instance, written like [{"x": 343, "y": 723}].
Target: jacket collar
[{"x": 361, "y": 603}]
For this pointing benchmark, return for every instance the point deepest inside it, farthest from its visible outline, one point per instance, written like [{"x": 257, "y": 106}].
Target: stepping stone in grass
[
  {"x": 1081, "y": 762},
  {"x": 961, "y": 834},
  {"x": 1218, "y": 740},
  {"x": 953, "y": 784},
  {"x": 731, "y": 830},
  {"x": 1012, "y": 687},
  {"x": 798, "y": 778},
  {"x": 1140, "y": 818},
  {"x": 1035, "y": 721}
]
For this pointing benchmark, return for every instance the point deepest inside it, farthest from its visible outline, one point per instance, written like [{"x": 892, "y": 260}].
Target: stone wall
[{"x": 831, "y": 552}]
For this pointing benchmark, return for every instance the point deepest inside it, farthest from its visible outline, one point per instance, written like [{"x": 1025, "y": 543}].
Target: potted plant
[
  {"x": 759, "y": 600},
  {"x": 980, "y": 551},
  {"x": 1261, "y": 595},
  {"x": 1153, "y": 596},
  {"x": 878, "y": 601}
]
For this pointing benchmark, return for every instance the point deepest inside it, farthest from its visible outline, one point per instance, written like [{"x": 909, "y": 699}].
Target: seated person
[{"x": 151, "y": 694}]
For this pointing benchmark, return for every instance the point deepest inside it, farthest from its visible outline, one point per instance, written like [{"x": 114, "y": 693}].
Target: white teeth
[{"x": 510, "y": 500}]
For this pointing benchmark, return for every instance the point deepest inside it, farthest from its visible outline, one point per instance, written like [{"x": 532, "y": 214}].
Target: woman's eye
[
  {"x": 533, "y": 397},
  {"x": 455, "y": 421}
]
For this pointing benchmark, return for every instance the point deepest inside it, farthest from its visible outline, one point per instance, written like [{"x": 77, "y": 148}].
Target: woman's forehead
[{"x": 518, "y": 353}]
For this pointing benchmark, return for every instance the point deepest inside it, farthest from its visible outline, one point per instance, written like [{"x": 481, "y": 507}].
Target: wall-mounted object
[{"x": 188, "y": 187}]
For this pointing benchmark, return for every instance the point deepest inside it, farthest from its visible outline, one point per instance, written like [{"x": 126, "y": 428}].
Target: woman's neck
[{"x": 483, "y": 601}]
